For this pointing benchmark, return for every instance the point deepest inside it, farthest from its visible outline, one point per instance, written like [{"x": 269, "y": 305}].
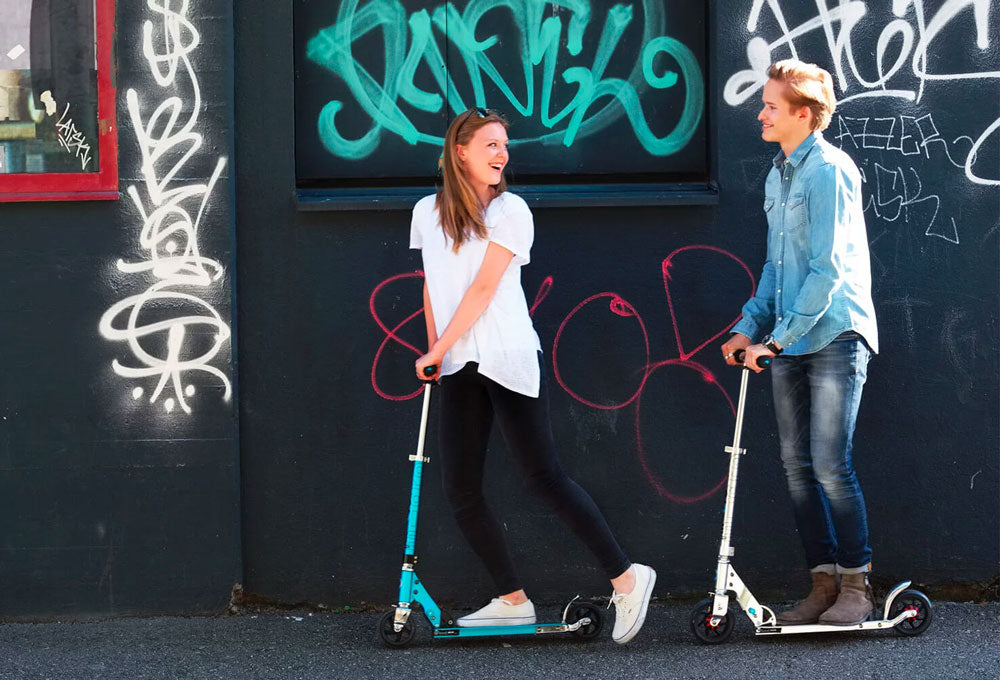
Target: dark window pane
[
  {"x": 48, "y": 87},
  {"x": 595, "y": 91}
]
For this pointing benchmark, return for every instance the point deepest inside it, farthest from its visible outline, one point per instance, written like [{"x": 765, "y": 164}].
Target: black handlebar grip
[
  {"x": 430, "y": 370},
  {"x": 762, "y": 362}
]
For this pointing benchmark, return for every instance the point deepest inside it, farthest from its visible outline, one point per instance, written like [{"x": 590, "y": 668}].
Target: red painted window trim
[{"x": 82, "y": 186}]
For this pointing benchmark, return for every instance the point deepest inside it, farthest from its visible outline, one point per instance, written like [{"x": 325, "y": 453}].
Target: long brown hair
[{"x": 459, "y": 209}]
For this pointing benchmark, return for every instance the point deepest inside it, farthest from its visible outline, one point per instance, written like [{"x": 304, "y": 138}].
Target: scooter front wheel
[
  {"x": 912, "y": 600},
  {"x": 387, "y": 631},
  {"x": 701, "y": 624},
  {"x": 580, "y": 610}
]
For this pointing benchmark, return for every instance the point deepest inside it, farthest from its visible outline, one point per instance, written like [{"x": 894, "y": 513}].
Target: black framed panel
[{"x": 596, "y": 91}]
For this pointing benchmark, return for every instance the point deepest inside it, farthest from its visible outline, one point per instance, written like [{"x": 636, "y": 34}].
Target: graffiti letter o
[{"x": 694, "y": 94}]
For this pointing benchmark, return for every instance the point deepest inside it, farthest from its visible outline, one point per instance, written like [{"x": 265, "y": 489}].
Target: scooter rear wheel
[
  {"x": 916, "y": 601},
  {"x": 387, "y": 631},
  {"x": 579, "y": 610},
  {"x": 701, "y": 624}
]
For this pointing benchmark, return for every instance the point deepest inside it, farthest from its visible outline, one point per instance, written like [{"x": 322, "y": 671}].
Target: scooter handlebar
[
  {"x": 762, "y": 362},
  {"x": 429, "y": 371}
]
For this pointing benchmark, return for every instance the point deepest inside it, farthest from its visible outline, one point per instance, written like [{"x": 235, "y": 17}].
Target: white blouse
[{"x": 502, "y": 340}]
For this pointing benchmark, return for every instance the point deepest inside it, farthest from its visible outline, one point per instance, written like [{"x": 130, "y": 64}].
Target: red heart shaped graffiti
[{"x": 667, "y": 264}]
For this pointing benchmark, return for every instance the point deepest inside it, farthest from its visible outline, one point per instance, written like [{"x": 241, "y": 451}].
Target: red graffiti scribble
[
  {"x": 647, "y": 470},
  {"x": 390, "y": 334},
  {"x": 622, "y": 308},
  {"x": 543, "y": 292},
  {"x": 670, "y": 301},
  {"x": 619, "y": 306}
]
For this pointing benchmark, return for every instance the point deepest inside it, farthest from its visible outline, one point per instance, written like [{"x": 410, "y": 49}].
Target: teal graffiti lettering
[{"x": 598, "y": 100}]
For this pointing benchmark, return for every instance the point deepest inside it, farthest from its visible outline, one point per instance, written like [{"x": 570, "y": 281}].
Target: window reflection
[{"x": 48, "y": 86}]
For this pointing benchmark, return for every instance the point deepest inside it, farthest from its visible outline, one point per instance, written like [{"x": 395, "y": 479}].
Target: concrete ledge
[{"x": 538, "y": 196}]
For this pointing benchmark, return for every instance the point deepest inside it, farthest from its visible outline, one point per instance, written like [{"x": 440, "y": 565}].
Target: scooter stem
[
  {"x": 734, "y": 463},
  {"x": 418, "y": 464}
]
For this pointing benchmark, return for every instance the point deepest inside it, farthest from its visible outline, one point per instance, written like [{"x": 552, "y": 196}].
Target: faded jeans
[{"x": 816, "y": 400}]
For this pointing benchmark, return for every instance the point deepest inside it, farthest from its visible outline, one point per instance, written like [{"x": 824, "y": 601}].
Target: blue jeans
[{"x": 816, "y": 400}]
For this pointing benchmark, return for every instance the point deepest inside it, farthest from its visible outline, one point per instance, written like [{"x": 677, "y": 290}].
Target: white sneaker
[
  {"x": 500, "y": 612},
  {"x": 630, "y": 608}
]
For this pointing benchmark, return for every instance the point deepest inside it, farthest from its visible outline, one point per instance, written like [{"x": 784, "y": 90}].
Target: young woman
[{"x": 475, "y": 237}]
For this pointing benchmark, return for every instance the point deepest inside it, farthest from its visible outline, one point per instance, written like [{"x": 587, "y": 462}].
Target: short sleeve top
[{"x": 502, "y": 340}]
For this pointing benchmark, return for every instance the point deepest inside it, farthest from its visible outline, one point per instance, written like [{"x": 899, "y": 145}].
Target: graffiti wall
[
  {"x": 151, "y": 458},
  {"x": 119, "y": 476},
  {"x": 630, "y": 303}
]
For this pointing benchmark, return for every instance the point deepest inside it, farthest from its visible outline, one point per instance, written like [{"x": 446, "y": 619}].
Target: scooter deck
[
  {"x": 524, "y": 629},
  {"x": 881, "y": 624}
]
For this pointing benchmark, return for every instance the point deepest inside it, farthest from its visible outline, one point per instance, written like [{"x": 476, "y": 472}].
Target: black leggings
[{"x": 469, "y": 403}]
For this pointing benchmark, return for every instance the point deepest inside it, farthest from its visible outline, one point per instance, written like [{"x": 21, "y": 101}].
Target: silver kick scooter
[{"x": 908, "y": 611}]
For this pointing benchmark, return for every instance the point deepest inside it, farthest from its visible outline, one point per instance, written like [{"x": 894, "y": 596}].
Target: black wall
[
  {"x": 111, "y": 504},
  {"x": 325, "y": 435},
  {"x": 116, "y": 499}
]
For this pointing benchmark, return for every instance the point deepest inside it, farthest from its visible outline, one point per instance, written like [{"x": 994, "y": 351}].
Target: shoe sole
[
  {"x": 508, "y": 621},
  {"x": 634, "y": 630}
]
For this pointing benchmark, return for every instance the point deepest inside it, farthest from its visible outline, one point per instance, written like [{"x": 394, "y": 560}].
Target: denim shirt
[{"x": 816, "y": 282}]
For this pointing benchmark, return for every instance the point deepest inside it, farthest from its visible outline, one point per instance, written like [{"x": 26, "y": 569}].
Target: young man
[{"x": 813, "y": 313}]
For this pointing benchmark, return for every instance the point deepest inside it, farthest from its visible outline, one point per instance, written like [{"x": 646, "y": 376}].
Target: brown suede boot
[
  {"x": 820, "y": 598},
  {"x": 854, "y": 604}
]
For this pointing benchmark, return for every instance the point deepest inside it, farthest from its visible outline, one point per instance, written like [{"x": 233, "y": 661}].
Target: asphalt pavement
[{"x": 962, "y": 642}]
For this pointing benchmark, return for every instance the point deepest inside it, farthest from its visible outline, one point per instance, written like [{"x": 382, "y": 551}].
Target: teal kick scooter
[
  {"x": 582, "y": 619},
  {"x": 907, "y": 611}
]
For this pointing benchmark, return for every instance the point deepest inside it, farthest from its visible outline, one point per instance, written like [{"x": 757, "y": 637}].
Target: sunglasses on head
[{"x": 479, "y": 111}]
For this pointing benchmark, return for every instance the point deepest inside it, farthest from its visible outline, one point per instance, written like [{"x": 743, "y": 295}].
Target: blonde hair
[
  {"x": 460, "y": 211},
  {"x": 807, "y": 85}
]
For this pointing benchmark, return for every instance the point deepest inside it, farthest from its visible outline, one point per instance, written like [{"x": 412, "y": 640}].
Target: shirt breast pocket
[
  {"x": 772, "y": 215},
  {"x": 795, "y": 212}
]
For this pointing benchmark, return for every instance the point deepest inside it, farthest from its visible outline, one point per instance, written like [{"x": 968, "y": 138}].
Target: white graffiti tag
[
  {"x": 72, "y": 139},
  {"x": 898, "y": 193},
  {"x": 170, "y": 328},
  {"x": 909, "y": 35},
  {"x": 907, "y": 135}
]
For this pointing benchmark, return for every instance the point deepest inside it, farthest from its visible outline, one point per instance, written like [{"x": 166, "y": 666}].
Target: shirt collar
[{"x": 800, "y": 151}]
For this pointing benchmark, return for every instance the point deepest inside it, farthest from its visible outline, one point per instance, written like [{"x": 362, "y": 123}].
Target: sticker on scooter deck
[{"x": 483, "y": 631}]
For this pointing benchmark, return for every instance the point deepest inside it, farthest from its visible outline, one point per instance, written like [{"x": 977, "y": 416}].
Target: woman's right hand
[{"x": 429, "y": 359}]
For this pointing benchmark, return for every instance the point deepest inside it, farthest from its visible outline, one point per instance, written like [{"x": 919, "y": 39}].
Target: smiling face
[
  {"x": 780, "y": 121},
  {"x": 484, "y": 157}
]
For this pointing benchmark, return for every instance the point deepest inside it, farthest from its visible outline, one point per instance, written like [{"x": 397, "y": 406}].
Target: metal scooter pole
[
  {"x": 419, "y": 459},
  {"x": 408, "y": 579},
  {"x": 725, "y": 578}
]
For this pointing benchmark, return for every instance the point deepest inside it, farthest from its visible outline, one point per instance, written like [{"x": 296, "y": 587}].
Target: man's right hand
[{"x": 737, "y": 342}]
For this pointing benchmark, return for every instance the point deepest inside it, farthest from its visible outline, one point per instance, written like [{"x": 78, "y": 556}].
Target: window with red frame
[{"x": 58, "y": 131}]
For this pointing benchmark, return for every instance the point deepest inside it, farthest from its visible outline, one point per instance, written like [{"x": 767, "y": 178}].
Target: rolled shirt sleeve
[
  {"x": 416, "y": 237},
  {"x": 515, "y": 230}
]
